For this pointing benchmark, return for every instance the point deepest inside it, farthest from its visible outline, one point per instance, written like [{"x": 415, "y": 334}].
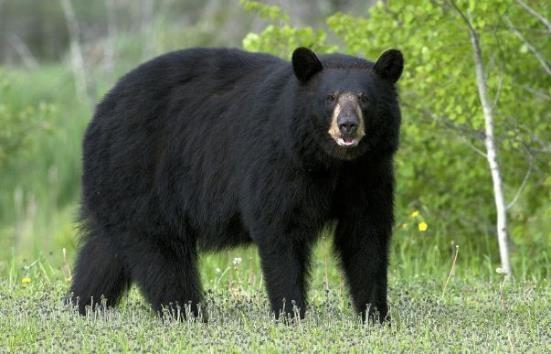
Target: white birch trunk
[{"x": 491, "y": 155}]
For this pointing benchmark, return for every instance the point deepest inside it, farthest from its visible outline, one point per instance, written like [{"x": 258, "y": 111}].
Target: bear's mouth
[{"x": 347, "y": 142}]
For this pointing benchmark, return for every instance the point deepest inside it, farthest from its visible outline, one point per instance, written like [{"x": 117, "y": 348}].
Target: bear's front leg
[
  {"x": 285, "y": 267},
  {"x": 362, "y": 239},
  {"x": 363, "y": 250}
]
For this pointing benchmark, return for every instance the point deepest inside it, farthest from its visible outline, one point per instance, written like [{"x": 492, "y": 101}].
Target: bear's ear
[
  {"x": 305, "y": 64},
  {"x": 390, "y": 65}
]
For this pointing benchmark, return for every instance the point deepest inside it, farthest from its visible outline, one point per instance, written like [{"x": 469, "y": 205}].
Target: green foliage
[
  {"x": 282, "y": 38},
  {"x": 267, "y": 12},
  {"x": 441, "y": 167},
  {"x": 40, "y": 178},
  {"x": 18, "y": 123}
]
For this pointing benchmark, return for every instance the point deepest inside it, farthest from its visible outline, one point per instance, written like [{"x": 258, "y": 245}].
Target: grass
[{"x": 429, "y": 313}]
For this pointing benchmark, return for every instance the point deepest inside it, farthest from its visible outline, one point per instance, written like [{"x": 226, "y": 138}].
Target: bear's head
[{"x": 351, "y": 103}]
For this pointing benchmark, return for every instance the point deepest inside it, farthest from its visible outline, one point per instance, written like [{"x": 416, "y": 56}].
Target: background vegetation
[{"x": 57, "y": 61}]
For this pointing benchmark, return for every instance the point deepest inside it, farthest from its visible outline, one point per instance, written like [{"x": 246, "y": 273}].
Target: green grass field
[{"x": 430, "y": 312}]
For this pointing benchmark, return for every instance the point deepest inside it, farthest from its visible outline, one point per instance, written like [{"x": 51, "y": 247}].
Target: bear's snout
[
  {"x": 348, "y": 124},
  {"x": 347, "y": 128}
]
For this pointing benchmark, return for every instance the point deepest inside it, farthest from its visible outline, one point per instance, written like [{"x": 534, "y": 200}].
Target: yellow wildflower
[
  {"x": 415, "y": 214},
  {"x": 422, "y": 226},
  {"x": 25, "y": 280}
]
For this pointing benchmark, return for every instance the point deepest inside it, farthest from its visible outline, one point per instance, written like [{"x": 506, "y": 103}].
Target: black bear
[{"x": 205, "y": 149}]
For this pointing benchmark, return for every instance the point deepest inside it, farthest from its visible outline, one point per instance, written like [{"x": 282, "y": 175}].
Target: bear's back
[
  {"x": 202, "y": 66},
  {"x": 172, "y": 123}
]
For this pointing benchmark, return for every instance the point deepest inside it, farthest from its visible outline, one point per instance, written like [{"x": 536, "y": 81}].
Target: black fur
[{"x": 204, "y": 149}]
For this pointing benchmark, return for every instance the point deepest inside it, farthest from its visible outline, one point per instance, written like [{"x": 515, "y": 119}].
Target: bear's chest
[
  {"x": 288, "y": 201},
  {"x": 305, "y": 201}
]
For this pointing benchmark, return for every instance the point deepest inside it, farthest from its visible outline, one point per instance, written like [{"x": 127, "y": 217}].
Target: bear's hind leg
[
  {"x": 166, "y": 271},
  {"x": 99, "y": 274}
]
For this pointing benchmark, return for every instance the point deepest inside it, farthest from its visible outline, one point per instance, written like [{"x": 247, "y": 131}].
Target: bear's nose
[{"x": 348, "y": 125}]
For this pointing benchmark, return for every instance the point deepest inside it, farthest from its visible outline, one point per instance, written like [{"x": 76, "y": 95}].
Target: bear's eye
[
  {"x": 363, "y": 98},
  {"x": 331, "y": 98}
]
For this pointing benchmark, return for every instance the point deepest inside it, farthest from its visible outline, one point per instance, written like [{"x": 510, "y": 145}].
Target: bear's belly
[{"x": 295, "y": 211}]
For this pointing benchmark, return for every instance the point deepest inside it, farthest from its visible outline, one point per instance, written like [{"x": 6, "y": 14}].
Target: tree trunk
[{"x": 491, "y": 155}]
